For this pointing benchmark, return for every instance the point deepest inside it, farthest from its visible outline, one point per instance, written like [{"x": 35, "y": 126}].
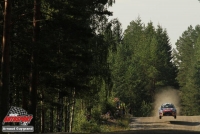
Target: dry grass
[{"x": 121, "y": 124}]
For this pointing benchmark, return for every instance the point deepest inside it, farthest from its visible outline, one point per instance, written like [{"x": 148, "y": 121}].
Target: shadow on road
[
  {"x": 133, "y": 119},
  {"x": 155, "y": 131},
  {"x": 185, "y": 123},
  {"x": 148, "y": 126}
]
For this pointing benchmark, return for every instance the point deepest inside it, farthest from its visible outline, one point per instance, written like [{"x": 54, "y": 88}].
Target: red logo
[
  {"x": 17, "y": 115},
  {"x": 18, "y": 119}
]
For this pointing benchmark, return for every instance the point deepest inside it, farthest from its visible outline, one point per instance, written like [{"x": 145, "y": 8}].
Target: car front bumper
[{"x": 167, "y": 113}]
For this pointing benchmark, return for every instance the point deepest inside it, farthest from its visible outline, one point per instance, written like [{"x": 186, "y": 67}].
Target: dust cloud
[{"x": 166, "y": 95}]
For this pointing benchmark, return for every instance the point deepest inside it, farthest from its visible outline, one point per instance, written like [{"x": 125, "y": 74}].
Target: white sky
[{"x": 173, "y": 15}]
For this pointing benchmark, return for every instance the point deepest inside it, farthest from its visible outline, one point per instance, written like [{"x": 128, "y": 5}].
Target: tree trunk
[
  {"x": 51, "y": 119},
  {"x": 82, "y": 105},
  {"x": 5, "y": 62},
  {"x": 67, "y": 113},
  {"x": 24, "y": 97},
  {"x": 24, "y": 94},
  {"x": 60, "y": 112},
  {"x": 106, "y": 91},
  {"x": 64, "y": 110},
  {"x": 42, "y": 113},
  {"x": 34, "y": 71},
  {"x": 72, "y": 111},
  {"x": 153, "y": 89},
  {"x": 17, "y": 101},
  {"x": 11, "y": 81}
]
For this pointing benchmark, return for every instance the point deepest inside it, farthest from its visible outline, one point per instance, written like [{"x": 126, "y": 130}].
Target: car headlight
[{"x": 174, "y": 110}]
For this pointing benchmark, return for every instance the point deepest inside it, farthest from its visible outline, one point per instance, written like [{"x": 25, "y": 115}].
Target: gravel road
[
  {"x": 181, "y": 123},
  {"x": 166, "y": 125}
]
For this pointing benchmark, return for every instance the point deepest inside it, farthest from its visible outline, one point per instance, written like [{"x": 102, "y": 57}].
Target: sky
[{"x": 173, "y": 15}]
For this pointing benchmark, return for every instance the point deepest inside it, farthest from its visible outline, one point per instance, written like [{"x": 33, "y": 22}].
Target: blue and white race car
[{"x": 167, "y": 109}]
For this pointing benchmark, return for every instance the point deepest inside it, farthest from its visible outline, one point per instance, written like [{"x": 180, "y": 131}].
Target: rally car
[{"x": 167, "y": 109}]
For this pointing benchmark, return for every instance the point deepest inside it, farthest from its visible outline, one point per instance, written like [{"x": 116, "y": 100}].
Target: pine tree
[
  {"x": 186, "y": 47},
  {"x": 142, "y": 65},
  {"x": 166, "y": 67},
  {"x": 5, "y": 63}
]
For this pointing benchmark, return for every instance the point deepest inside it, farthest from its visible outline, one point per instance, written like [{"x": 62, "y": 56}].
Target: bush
[
  {"x": 86, "y": 127},
  {"x": 96, "y": 115},
  {"x": 108, "y": 106},
  {"x": 124, "y": 123},
  {"x": 146, "y": 109},
  {"x": 95, "y": 129},
  {"x": 79, "y": 119},
  {"x": 91, "y": 127}
]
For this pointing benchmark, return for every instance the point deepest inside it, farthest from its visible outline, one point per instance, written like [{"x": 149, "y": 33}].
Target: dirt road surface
[
  {"x": 166, "y": 125},
  {"x": 181, "y": 123}
]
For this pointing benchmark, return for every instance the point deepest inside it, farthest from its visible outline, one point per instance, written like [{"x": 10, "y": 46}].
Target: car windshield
[{"x": 167, "y": 106}]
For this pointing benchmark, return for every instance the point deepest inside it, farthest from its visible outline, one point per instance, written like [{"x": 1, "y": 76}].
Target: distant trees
[
  {"x": 142, "y": 66},
  {"x": 186, "y": 57}
]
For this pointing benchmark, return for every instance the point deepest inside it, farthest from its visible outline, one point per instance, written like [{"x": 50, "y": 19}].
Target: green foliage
[
  {"x": 108, "y": 105},
  {"x": 79, "y": 119},
  {"x": 123, "y": 123},
  {"x": 91, "y": 127},
  {"x": 84, "y": 61},
  {"x": 96, "y": 115},
  {"x": 74, "y": 42},
  {"x": 142, "y": 65},
  {"x": 187, "y": 60},
  {"x": 96, "y": 129},
  {"x": 146, "y": 109}
]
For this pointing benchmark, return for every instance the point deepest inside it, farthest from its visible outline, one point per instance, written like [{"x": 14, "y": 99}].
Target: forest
[{"x": 64, "y": 59}]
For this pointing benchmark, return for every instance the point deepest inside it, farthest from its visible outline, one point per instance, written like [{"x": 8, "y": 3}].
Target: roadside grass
[
  {"x": 120, "y": 124},
  {"x": 107, "y": 125}
]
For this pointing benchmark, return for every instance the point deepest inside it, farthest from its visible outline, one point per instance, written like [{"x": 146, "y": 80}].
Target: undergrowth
[{"x": 106, "y": 125}]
